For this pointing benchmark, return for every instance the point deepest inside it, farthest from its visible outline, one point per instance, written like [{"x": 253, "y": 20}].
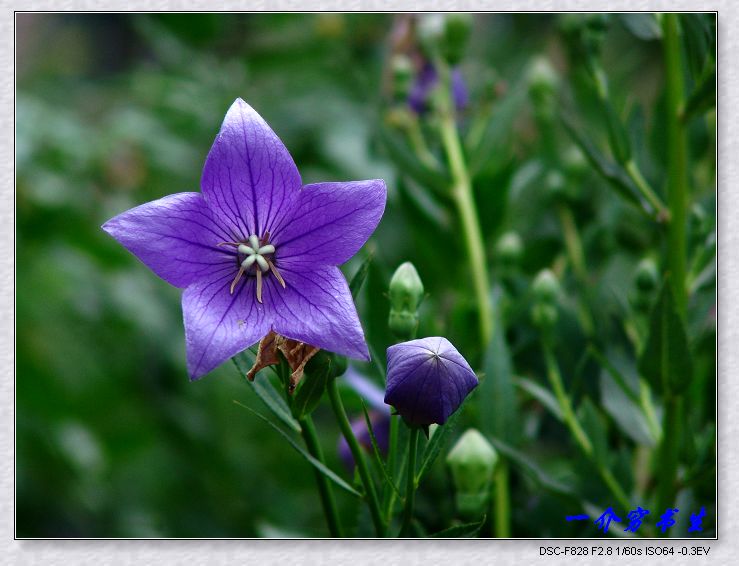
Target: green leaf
[
  {"x": 434, "y": 446},
  {"x": 376, "y": 451},
  {"x": 605, "y": 167},
  {"x": 496, "y": 391},
  {"x": 531, "y": 469},
  {"x": 666, "y": 361},
  {"x": 315, "y": 463},
  {"x": 493, "y": 148},
  {"x": 628, "y": 416},
  {"x": 264, "y": 389},
  {"x": 466, "y": 530},
  {"x": 311, "y": 389},
  {"x": 541, "y": 394},
  {"x": 355, "y": 285},
  {"x": 595, "y": 428},
  {"x": 407, "y": 162},
  {"x": 703, "y": 96}
]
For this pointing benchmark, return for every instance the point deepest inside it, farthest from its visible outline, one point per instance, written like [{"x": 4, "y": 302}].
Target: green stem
[
  {"x": 581, "y": 438},
  {"x": 668, "y": 453},
  {"x": 410, "y": 486},
  {"x": 677, "y": 161},
  {"x": 462, "y": 194},
  {"x": 310, "y": 437},
  {"x": 346, "y": 429},
  {"x": 464, "y": 200},
  {"x": 502, "y": 501}
]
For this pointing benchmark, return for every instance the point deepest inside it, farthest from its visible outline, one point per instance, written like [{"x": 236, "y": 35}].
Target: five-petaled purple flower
[
  {"x": 427, "y": 380},
  {"x": 256, "y": 250}
]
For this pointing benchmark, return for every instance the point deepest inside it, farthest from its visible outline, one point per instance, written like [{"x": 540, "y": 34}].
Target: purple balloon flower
[
  {"x": 256, "y": 250},
  {"x": 380, "y": 421},
  {"x": 427, "y": 380}
]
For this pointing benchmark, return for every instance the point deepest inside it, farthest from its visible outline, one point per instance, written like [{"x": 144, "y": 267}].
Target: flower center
[{"x": 258, "y": 258}]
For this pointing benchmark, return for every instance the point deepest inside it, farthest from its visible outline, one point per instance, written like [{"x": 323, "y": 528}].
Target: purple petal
[
  {"x": 316, "y": 307},
  {"x": 175, "y": 237},
  {"x": 427, "y": 380},
  {"x": 219, "y": 325},
  {"x": 332, "y": 221},
  {"x": 249, "y": 179}
]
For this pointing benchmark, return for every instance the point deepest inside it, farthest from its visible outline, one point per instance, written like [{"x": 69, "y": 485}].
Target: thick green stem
[
  {"x": 668, "y": 453},
  {"x": 308, "y": 432},
  {"x": 581, "y": 438},
  {"x": 463, "y": 198},
  {"x": 346, "y": 429},
  {"x": 677, "y": 161},
  {"x": 410, "y": 485},
  {"x": 502, "y": 508}
]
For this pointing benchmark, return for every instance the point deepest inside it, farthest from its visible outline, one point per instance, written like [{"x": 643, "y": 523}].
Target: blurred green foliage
[{"x": 112, "y": 438}]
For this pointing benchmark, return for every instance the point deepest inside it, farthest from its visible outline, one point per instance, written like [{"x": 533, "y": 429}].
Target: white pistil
[{"x": 257, "y": 254}]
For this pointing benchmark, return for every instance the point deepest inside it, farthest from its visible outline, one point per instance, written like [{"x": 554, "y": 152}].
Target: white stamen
[
  {"x": 254, "y": 241},
  {"x": 247, "y": 263},
  {"x": 246, "y": 250},
  {"x": 268, "y": 249},
  {"x": 261, "y": 262}
]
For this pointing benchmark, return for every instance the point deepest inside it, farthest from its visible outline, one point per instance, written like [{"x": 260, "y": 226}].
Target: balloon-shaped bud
[{"x": 472, "y": 461}]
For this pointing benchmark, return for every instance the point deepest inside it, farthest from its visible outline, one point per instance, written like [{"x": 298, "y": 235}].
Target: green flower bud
[
  {"x": 472, "y": 461},
  {"x": 403, "y": 71},
  {"x": 406, "y": 292},
  {"x": 544, "y": 315},
  {"x": 646, "y": 277},
  {"x": 546, "y": 287},
  {"x": 509, "y": 249},
  {"x": 445, "y": 34},
  {"x": 542, "y": 78},
  {"x": 555, "y": 184},
  {"x": 574, "y": 162}
]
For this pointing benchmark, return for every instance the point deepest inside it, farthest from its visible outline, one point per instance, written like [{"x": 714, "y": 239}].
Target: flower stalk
[
  {"x": 358, "y": 454},
  {"x": 308, "y": 431},
  {"x": 410, "y": 486}
]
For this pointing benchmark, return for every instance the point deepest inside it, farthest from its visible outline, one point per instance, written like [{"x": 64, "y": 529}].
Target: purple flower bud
[
  {"x": 380, "y": 421},
  {"x": 426, "y": 81},
  {"x": 427, "y": 380}
]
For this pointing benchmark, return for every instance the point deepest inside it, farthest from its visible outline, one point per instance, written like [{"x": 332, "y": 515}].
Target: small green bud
[
  {"x": 574, "y": 162},
  {"x": 406, "y": 288},
  {"x": 445, "y": 34},
  {"x": 472, "y": 461},
  {"x": 402, "y": 68},
  {"x": 542, "y": 78},
  {"x": 546, "y": 287},
  {"x": 544, "y": 315},
  {"x": 509, "y": 249},
  {"x": 406, "y": 292},
  {"x": 555, "y": 184},
  {"x": 647, "y": 276}
]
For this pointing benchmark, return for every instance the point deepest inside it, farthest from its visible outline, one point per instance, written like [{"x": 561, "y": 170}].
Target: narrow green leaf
[
  {"x": 315, "y": 463},
  {"x": 434, "y": 446},
  {"x": 311, "y": 389},
  {"x": 355, "y": 285},
  {"x": 618, "y": 378},
  {"x": 703, "y": 96},
  {"x": 531, "y": 469},
  {"x": 496, "y": 391},
  {"x": 407, "y": 162},
  {"x": 595, "y": 428},
  {"x": 264, "y": 389},
  {"x": 610, "y": 171},
  {"x": 376, "y": 451},
  {"x": 627, "y": 415},
  {"x": 541, "y": 394},
  {"x": 466, "y": 530},
  {"x": 666, "y": 361}
]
